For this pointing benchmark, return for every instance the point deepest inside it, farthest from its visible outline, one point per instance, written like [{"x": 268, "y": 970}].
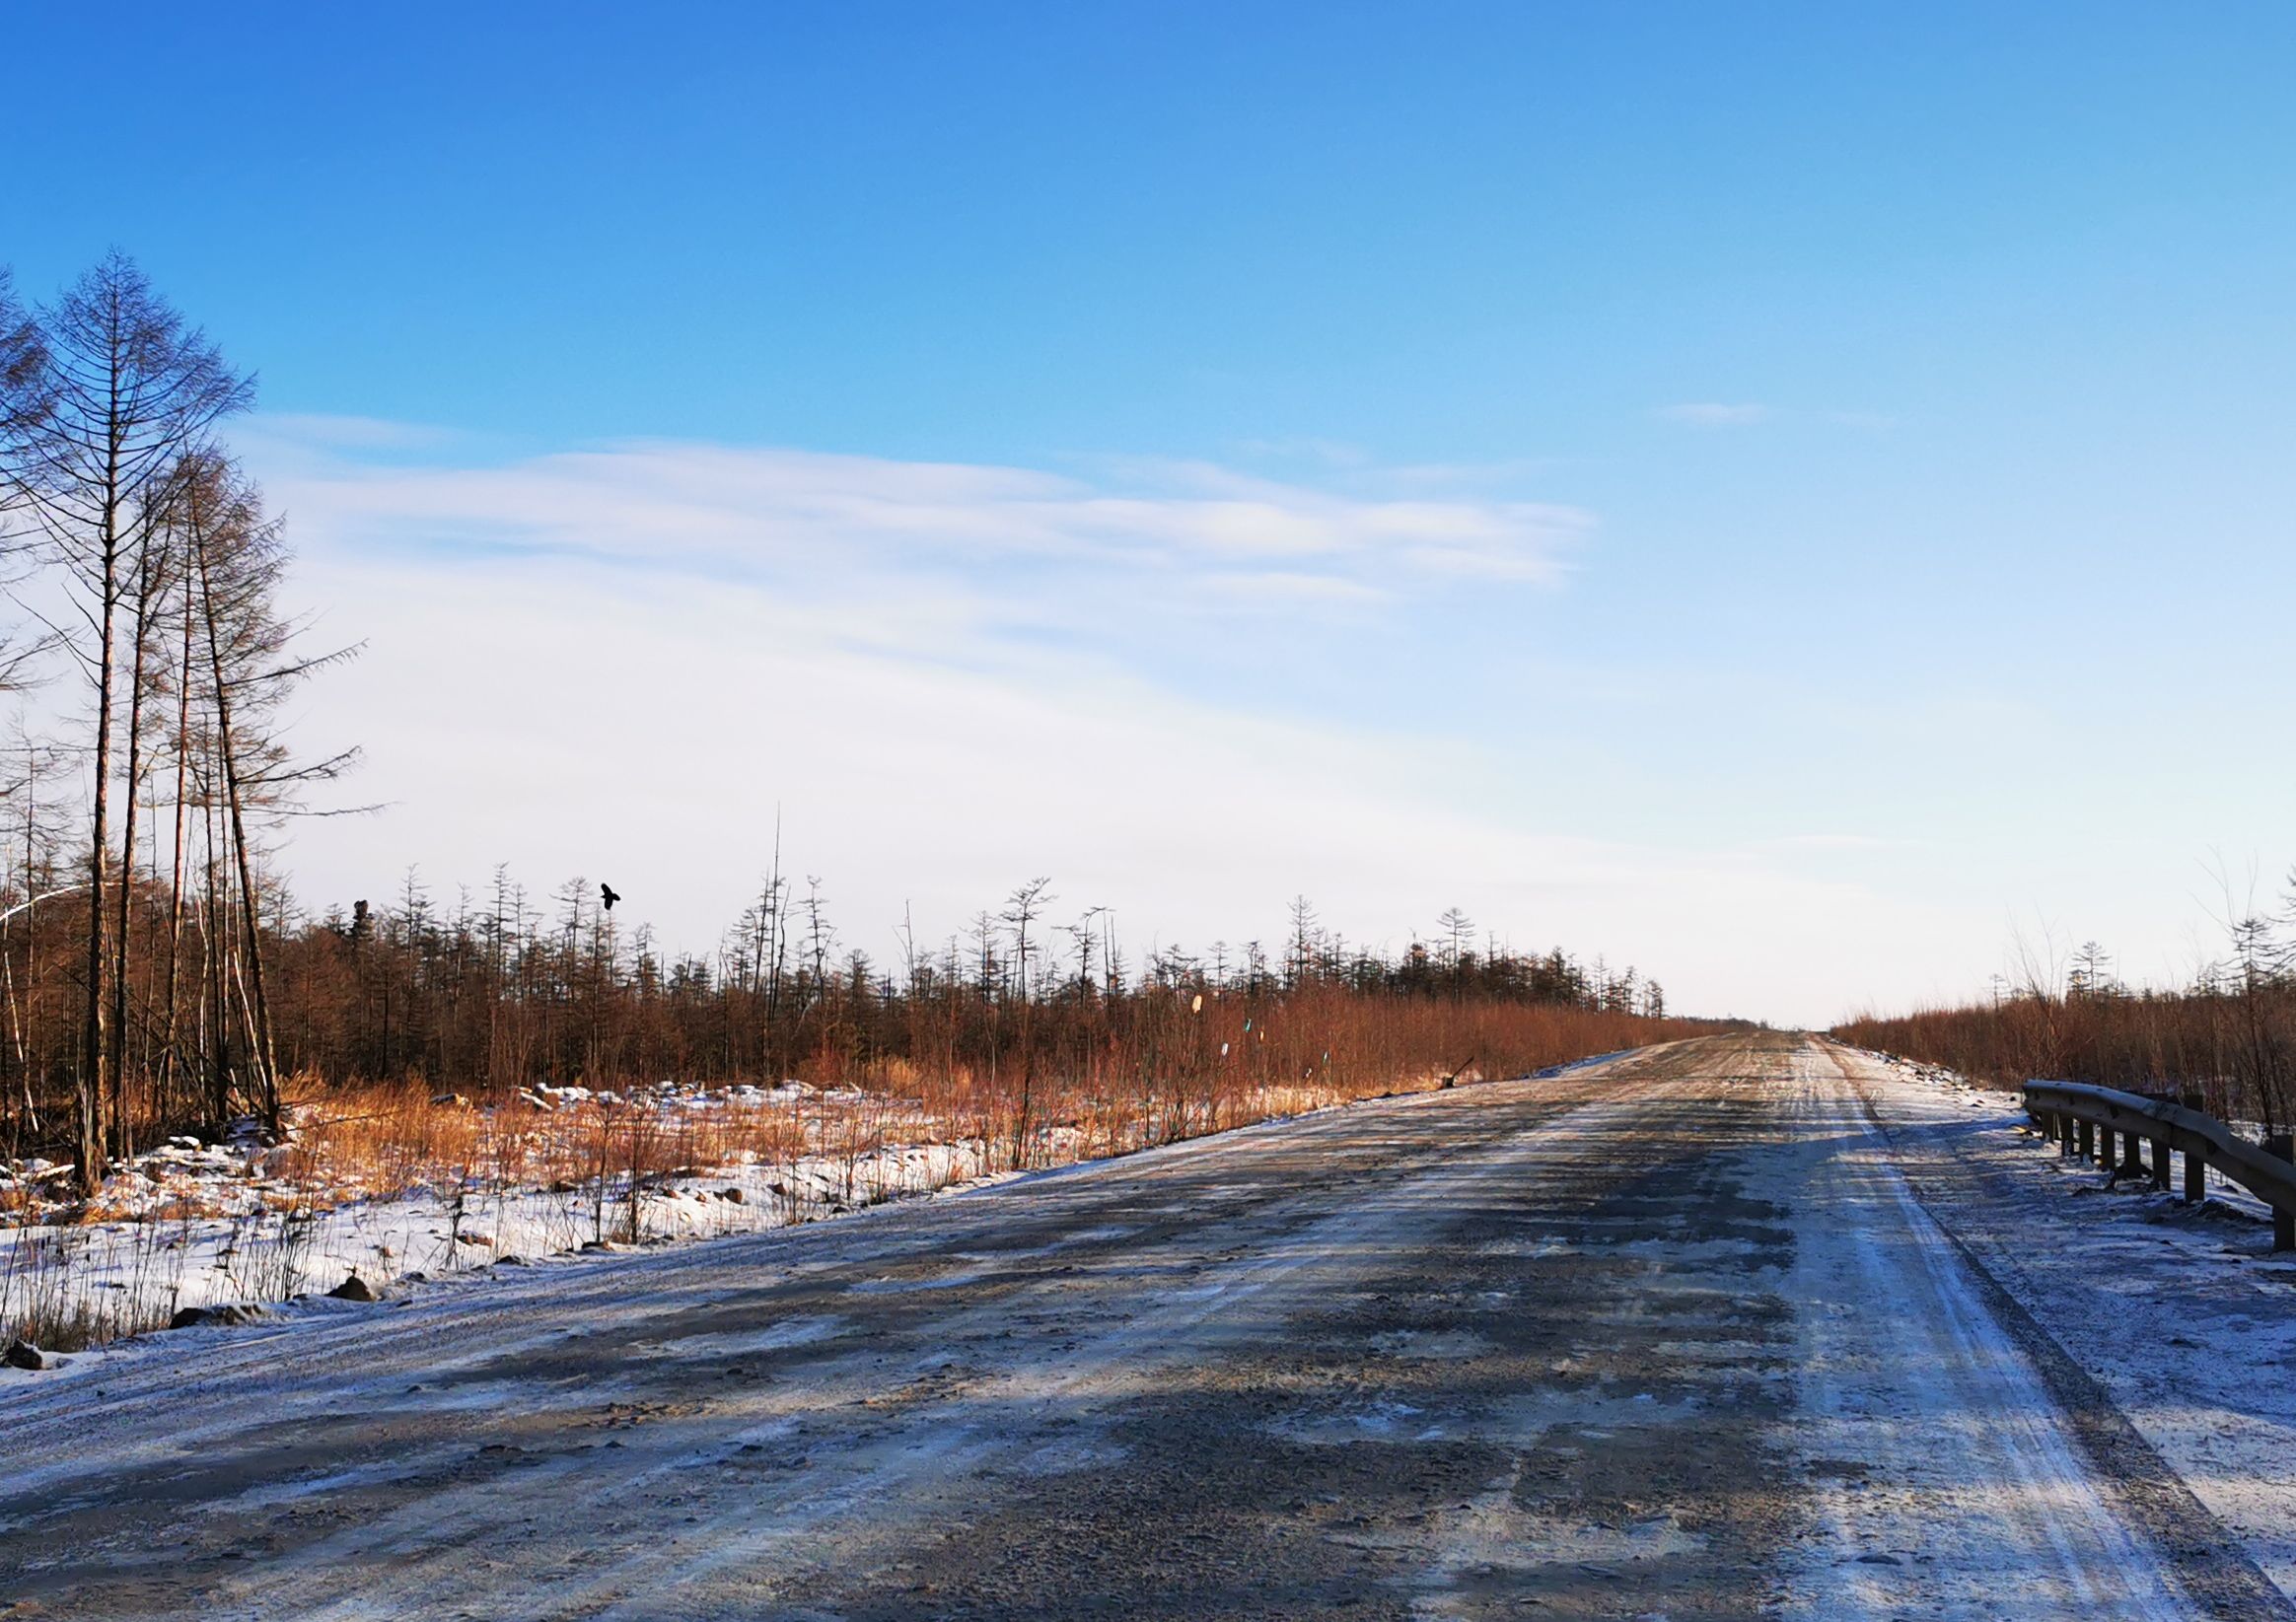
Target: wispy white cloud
[
  {"x": 1715, "y": 413},
  {"x": 619, "y": 662},
  {"x": 758, "y": 511},
  {"x": 565, "y": 718},
  {"x": 1257, "y": 591}
]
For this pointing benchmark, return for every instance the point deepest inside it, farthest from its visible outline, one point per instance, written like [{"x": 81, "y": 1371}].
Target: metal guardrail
[{"x": 2087, "y": 1120}]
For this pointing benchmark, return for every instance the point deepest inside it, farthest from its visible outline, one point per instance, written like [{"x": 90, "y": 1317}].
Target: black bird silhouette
[{"x": 607, "y": 890}]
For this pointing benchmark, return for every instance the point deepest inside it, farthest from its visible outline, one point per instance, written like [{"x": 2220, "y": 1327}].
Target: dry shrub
[{"x": 2237, "y": 1048}]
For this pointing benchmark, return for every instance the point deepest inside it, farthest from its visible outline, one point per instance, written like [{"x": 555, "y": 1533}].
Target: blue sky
[{"x": 1790, "y": 495}]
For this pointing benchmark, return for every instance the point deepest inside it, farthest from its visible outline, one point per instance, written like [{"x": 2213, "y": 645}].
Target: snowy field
[{"x": 231, "y": 1222}]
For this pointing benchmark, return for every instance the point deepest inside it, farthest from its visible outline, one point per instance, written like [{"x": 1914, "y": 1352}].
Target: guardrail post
[
  {"x": 2195, "y": 1163},
  {"x": 2066, "y": 1110},
  {"x": 2088, "y": 1140},
  {"x": 2283, "y": 1144}
]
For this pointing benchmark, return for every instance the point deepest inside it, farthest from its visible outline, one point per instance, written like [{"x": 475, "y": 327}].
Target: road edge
[{"x": 2205, "y": 1555}]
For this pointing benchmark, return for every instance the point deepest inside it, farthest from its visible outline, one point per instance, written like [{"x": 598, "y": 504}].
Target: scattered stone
[
  {"x": 191, "y": 1318},
  {"x": 733, "y": 1195},
  {"x": 476, "y": 1239},
  {"x": 451, "y": 1100},
  {"x": 22, "y": 1353},
  {"x": 356, "y": 1288},
  {"x": 509, "y": 1261}
]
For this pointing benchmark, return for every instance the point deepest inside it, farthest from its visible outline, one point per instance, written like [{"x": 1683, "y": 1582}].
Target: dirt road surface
[{"x": 1668, "y": 1336}]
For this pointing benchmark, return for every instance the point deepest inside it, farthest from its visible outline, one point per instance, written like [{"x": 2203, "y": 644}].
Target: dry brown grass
[
  {"x": 1196, "y": 1067},
  {"x": 2235, "y": 1048}
]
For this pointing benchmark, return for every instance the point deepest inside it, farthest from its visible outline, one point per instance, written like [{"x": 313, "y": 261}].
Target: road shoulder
[{"x": 2164, "y": 1333}]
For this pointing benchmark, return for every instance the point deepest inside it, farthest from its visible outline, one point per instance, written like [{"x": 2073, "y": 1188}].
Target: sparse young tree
[
  {"x": 1457, "y": 929},
  {"x": 1022, "y": 910},
  {"x": 1301, "y": 964}
]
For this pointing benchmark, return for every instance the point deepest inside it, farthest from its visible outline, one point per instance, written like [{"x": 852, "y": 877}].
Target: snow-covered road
[{"x": 1720, "y": 1329}]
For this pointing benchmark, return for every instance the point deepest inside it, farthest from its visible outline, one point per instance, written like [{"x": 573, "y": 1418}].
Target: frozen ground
[{"x": 1722, "y": 1329}]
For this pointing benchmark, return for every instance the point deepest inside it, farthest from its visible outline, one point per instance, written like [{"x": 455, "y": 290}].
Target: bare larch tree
[{"x": 108, "y": 389}]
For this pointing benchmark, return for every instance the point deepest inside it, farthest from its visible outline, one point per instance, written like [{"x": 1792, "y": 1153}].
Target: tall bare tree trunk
[
  {"x": 122, "y": 1127},
  {"x": 263, "y": 1063},
  {"x": 213, "y": 1004},
  {"x": 95, "y": 1048},
  {"x": 171, "y": 1001}
]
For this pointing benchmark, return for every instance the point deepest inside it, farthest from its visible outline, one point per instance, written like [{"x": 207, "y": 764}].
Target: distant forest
[
  {"x": 2228, "y": 1034},
  {"x": 156, "y": 974}
]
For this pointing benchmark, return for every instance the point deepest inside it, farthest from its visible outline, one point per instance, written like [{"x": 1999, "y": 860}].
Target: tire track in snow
[{"x": 2210, "y": 1565}]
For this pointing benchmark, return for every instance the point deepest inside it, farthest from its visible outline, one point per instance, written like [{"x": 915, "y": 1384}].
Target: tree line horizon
[{"x": 156, "y": 973}]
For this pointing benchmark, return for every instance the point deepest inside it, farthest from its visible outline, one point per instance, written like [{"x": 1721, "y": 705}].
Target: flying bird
[{"x": 608, "y": 891}]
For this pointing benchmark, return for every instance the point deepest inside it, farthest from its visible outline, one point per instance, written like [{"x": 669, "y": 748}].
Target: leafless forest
[
  {"x": 2229, "y": 1034},
  {"x": 157, "y": 976}
]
